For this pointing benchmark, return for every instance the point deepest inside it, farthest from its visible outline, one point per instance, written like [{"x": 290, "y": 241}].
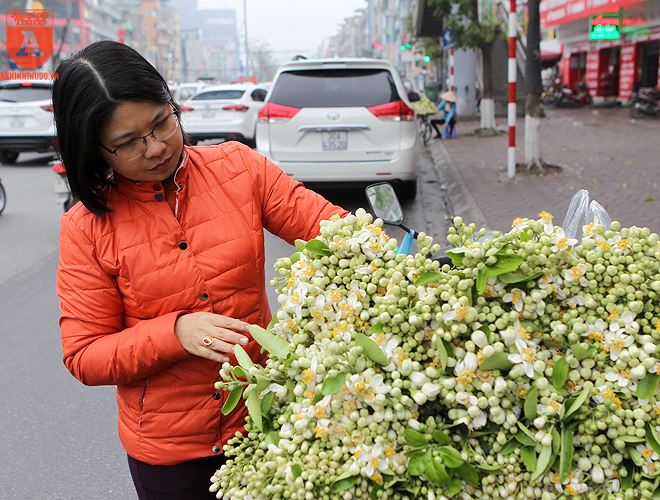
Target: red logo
[{"x": 29, "y": 37}]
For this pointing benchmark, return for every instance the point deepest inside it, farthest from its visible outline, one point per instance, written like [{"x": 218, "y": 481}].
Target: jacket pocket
[{"x": 143, "y": 396}]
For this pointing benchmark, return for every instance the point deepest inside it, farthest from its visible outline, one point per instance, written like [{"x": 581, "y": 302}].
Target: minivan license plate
[{"x": 335, "y": 140}]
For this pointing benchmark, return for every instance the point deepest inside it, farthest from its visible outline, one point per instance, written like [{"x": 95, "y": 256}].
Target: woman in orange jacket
[{"x": 162, "y": 262}]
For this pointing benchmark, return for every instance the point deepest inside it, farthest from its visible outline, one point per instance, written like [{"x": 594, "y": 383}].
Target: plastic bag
[
  {"x": 580, "y": 213},
  {"x": 407, "y": 243}
]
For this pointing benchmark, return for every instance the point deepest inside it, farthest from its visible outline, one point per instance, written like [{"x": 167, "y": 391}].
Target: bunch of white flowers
[{"x": 527, "y": 370}]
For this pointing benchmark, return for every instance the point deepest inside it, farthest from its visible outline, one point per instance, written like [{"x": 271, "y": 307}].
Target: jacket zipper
[{"x": 144, "y": 393}]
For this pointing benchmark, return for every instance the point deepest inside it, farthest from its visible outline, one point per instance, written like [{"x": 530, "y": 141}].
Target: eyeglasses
[{"x": 136, "y": 147}]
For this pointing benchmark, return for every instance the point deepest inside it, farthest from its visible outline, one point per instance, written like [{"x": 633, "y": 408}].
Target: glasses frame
[{"x": 150, "y": 134}]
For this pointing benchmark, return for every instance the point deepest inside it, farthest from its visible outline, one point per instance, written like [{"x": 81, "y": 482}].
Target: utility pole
[{"x": 247, "y": 49}]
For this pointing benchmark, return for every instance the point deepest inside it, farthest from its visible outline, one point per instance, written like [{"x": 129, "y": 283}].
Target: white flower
[
  {"x": 322, "y": 429},
  {"x": 575, "y": 301},
  {"x": 516, "y": 297},
  {"x": 572, "y": 486},
  {"x": 368, "y": 390},
  {"x": 296, "y": 299},
  {"x": 459, "y": 313},
  {"x": 322, "y": 408},
  {"x": 477, "y": 418},
  {"x": 560, "y": 242},
  {"x": 546, "y": 221},
  {"x": 622, "y": 378},
  {"x": 375, "y": 463},
  {"x": 613, "y": 486},
  {"x": 596, "y": 331},
  {"x": 523, "y": 338},
  {"x": 466, "y": 368},
  {"x": 493, "y": 288},
  {"x": 279, "y": 390},
  {"x": 650, "y": 457},
  {"x": 620, "y": 321},
  {"x": 553, "y": 283},
  {"x": 526, "y": 356},
  {"x": 576, "y": 273},
  {"x": 388, "y": 345},
  {"x": 519, "y": 224},
  {"x": 615, "y": 342},
  {"x": 619, "y": 245}
]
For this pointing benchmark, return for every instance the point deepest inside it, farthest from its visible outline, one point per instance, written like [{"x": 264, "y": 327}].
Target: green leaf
[
  {"x": 371, "y": 349},
  {"x": 489, "y": 468},
  {"x": 633, "y": 439},
  {"x": 511, "y": 278},
  {"x": 295, "y": 257},
  {"x": 242, "y": 357},
  {"x": 560, "y": 373},
  {"x": 344, "y": 484},
  {"x": 427, "y": 278},
  {"x": 414, "y": 438},
  {"x": 276, "y": 346},
  {"x": 267, "y": 402},
  {"x": 440, "y": 437},
  {"x": 317, "y": 247},
  {"x": 468, "y": 473},
  {"x": 486, "y": 330},
  {"x": 528, "y": 457},
  {"x": 332, "y": 385},
  {"x": 648, "y": 386},
  {"x": 531, "y": 403},
  {"x": 376, "y": 329},
  {"x": 627, "y": 480},
  {"x": 373, "y": 493},
  {"x": 582, "y": 350},
  {"x": 441, "y": 352},
  {"x": 434, "y": 470},
  {"x": 542, "y": 463},
  {"x": 524, "y": 439},
  {"x": 239, "y": 372},
  {"x": 529, "y": 433},
  {"x": 450, "y": 457},
  {"x": 578, "y": 402},
  {"x": 254, "y": 408},
  {"x": 296, "y": 470},
  {"x": 566, "y": 453},
  {"x": 272, "y": 437},
  {"x": 482, "y": 280},
  {"x": 556, "y": 439},
  {"x": 416, "y": 465},
  {"x": 300, "y": 244},
  {"x": 511, "y": 446},
  {"x": 505, "y": 264},
  {"x": 232, "y": 400},
  {"x": 653, "y": 438},
  {"x": 636, "y": 456},
  {"x": 496, "y": 361},
  {"x": 453, "y": 488},
  {"x": 456, "y": 255}
]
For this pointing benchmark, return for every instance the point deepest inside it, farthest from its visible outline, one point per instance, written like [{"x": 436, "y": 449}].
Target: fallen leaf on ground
[{"x": 650, "y": 198}]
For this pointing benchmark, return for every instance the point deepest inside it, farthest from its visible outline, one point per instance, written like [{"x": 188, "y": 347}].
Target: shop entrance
[
  {"x": 648, "y": 63},
  {"x": 608, "y": 75},
  {"x": 578, "y": 68}
]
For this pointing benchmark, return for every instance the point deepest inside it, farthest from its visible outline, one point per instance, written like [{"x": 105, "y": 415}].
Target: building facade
[{"x": 612, "y": 69}]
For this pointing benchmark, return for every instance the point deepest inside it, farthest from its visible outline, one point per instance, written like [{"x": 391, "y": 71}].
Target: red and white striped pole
[
  {"x": 452, "y": 77},
  {"x": 513, "y": 34}
]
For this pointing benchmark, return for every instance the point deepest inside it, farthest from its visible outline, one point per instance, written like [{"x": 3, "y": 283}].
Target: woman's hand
[{"x": 223, "y": 332}]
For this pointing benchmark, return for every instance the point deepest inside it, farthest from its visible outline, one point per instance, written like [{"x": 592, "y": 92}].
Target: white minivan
[{"x": 331, "y": 121}]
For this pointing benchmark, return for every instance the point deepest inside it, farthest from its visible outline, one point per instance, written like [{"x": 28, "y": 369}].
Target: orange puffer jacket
[{"x": 124, "y": 278}]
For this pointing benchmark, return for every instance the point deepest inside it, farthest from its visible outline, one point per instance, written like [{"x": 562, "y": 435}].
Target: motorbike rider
[{"x": 161, "y": 264}]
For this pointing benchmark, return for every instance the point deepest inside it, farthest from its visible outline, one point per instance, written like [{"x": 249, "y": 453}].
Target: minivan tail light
[
  {"x": 393, "y": 111},
  {"x": 183, "y": 109},
  {"x": 235, "y": 107},
  {"x": 276, "y": 113},
  {"x": 47, "y": 107}
]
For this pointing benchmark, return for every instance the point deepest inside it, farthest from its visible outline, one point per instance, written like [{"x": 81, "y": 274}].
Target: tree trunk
[
  {"x": 487, "y": 103},
  {"x": 534, "y": 88}
]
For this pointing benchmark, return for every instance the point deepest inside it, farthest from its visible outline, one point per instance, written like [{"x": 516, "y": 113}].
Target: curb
[{"x": 459, "y": 198}]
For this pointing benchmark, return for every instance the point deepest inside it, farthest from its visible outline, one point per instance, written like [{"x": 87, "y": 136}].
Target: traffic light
[
  {"x": 427, "y": 59},
  {"x": 120, "y": 35}
]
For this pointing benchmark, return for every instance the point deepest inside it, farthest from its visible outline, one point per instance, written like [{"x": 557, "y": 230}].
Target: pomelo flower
[{"x": 517, "y": 298}]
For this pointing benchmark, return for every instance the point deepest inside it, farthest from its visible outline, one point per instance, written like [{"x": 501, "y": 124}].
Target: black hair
[{"x": 88, "y": 88}]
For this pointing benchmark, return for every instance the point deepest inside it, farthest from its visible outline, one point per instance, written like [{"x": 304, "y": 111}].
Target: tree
[
  {"x": 262, "y": 63},
  {"x": 534, "y": 86},
  {"x": 474, "y": 31}
]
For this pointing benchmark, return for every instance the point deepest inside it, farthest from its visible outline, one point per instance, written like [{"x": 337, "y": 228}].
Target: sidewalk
[{"x": 601, "y": 150}]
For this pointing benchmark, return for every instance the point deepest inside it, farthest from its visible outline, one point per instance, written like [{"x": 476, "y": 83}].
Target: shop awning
[{"x": 551, "y": 52}]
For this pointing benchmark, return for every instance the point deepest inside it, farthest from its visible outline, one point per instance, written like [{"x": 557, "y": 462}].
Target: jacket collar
[{"x": 149, "y": 190}]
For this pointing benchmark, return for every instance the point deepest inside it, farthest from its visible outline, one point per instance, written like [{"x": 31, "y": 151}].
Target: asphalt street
[{"x": 60, "y": 439}]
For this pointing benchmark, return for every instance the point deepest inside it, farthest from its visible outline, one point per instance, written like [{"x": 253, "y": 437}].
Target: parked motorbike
[
  {"x": 385, "y": 205},
  {"x": 3, "y": 197},
  {"x": 62, "y": 190},
  {"x": 573, "y": 98},
  {"x": 645, "y": 102}
]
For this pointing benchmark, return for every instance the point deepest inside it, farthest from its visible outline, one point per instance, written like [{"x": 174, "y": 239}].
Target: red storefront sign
[
  {"x": 591, "y": 76},
  {"x": 555, "y": 12}
]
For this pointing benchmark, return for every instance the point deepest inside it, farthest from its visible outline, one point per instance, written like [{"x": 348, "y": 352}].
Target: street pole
[
  {"x": 452, "y": 76},
  {"x": 513, "y": 33},
  {"x": 247, "y": 50}
]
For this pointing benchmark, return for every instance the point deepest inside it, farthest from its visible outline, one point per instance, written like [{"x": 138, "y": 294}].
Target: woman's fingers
[{"x": 229, "y": 323}]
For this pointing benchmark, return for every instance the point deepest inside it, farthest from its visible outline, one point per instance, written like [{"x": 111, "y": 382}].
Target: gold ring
[{"x": 207, "y": 341}]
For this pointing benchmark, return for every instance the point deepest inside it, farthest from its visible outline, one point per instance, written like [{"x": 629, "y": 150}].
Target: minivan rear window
[
  {"x": 18, "y": 93},
  {"x": 334, "y": 88},
  {"x": 212, "y": 95}
]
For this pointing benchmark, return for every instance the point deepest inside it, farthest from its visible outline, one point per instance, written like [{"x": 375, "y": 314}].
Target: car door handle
[{"x": 329, "y": 128}]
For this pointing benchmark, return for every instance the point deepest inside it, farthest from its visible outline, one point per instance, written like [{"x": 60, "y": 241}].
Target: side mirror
[
  {"x": 414, "y": 97},
  {"x": 384, "y": 203}
]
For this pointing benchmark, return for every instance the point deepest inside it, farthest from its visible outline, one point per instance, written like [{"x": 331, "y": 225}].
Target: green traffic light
[
  {"x": 408, "y": 45},
  {"x": 427, "y": 59},
  {"x": 402, "y": 47}
]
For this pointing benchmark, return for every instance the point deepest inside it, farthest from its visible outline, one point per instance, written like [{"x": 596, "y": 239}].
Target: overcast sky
[{"x": 289, "y": 26}]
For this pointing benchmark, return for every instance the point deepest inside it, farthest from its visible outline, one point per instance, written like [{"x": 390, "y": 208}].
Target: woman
[
  {"x": 447, "y": 105},
  {"x": 162, "y": 262}
]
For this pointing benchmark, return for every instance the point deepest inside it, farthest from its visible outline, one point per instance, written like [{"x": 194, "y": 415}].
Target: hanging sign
[{"x": 605, "y": 27}]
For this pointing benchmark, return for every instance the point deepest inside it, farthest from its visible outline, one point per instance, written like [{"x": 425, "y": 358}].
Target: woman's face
[{"x": 123, "y": 132}]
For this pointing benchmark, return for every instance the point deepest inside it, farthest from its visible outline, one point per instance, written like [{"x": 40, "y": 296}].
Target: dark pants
[
  {"x": 185, "y": 481},
  {"x": 441, "y": 121}
]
